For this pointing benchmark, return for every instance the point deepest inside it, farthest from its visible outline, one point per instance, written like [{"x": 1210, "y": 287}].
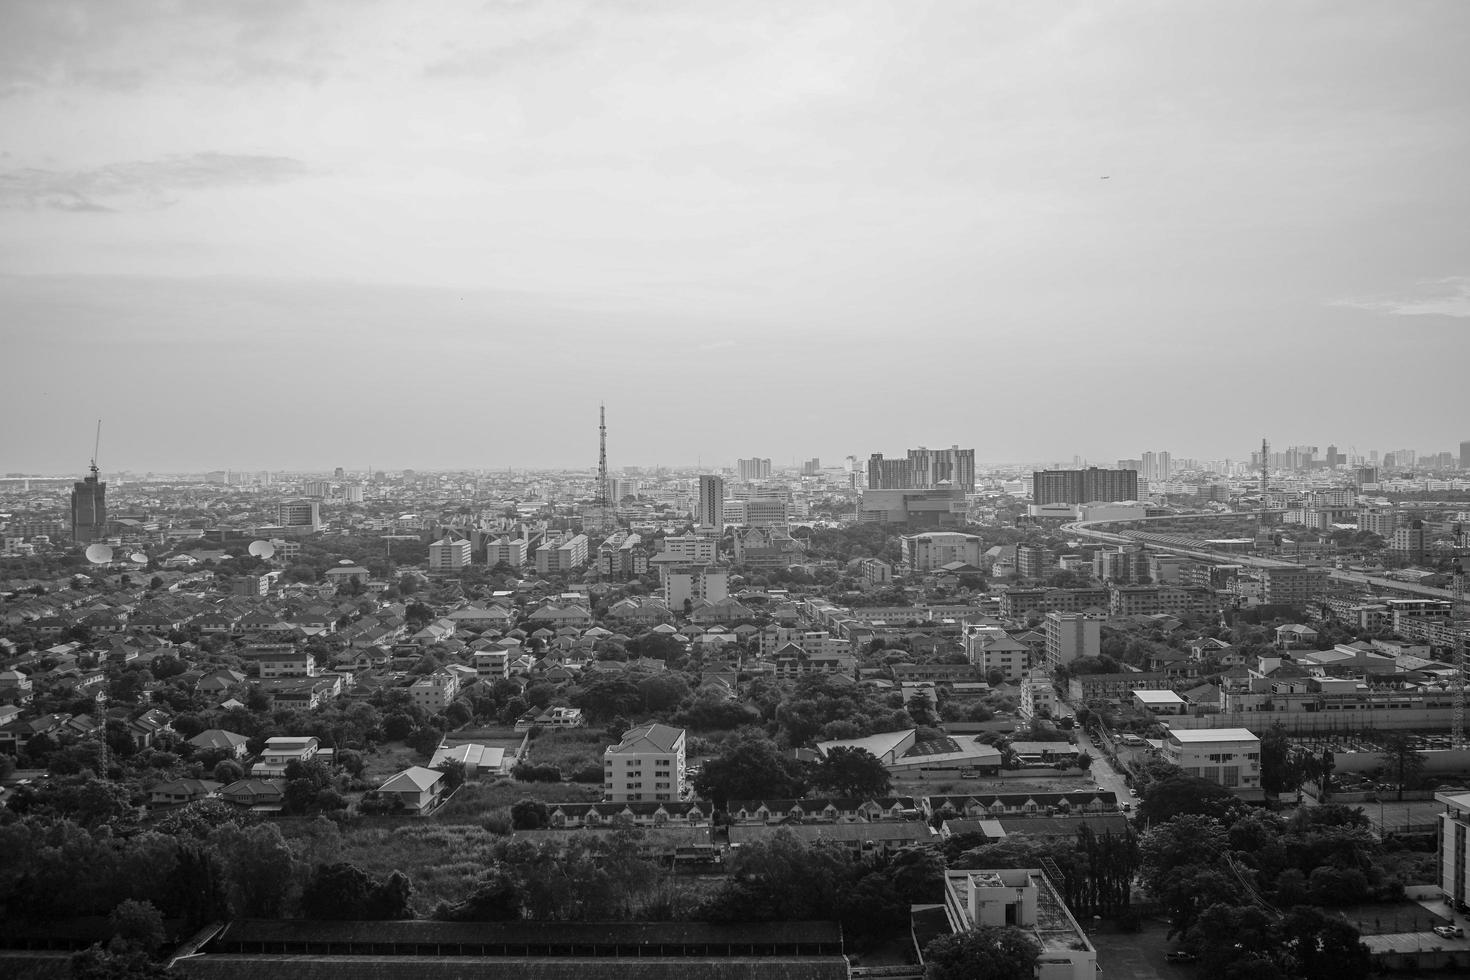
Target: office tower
[
  {"x": 89, "y": 508},
  {"x": 320, "y": 489},
  {"x": 1083, "y": 486},
  {"x": 924, "y": 469},
  {"x": 1136, "y": 465},
  {"x": 812, "y": 467},
  {"x": 338, "y": 473},
  {"x": 711, "y": 502},
  {"x": 1465, "y": 455},
  {"x": 300, "y": 514}
]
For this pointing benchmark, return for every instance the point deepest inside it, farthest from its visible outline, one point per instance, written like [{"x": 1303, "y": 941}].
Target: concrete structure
[
  {"x": 691, "y": 549},
  {"x": 1292, "y": 585},
  {"x": 687, "y": 583},
  {"x": 648, "y": 764},
  {"x": 434, "y": 692},
  {"x": 767, "y": 512},
  {"x": 511, "y": 551},
  {"x": 1454, "y": 828},
  {"x": 711, "y": 509},
  {"x": 754, "y": 468},
  {"x": 300, "y": 515},
  {"x": 1026, "y": 899},
  {"x": 927, "y": 552},
  {"x": 1083, "y": 486},
  {"x": 1071, "y": 636},
  {"x": 562, "y": 554},
  {"x": 89, "y": 509},
  {"x": 993, "y": 649},
  {"x": 924, "y": 469},
  {"x": 1038, "y": 697},
  {"x": 449, "y": 554},
  {"x": 1230, "y": 757},
  {"x": 942, "y": 507}
]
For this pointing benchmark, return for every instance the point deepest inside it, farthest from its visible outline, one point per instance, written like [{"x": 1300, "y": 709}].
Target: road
[{"x": 1103, "y": 773}]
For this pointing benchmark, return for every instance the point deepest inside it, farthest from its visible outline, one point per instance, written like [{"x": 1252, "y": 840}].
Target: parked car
[
  {"x": 1180, "y": 956},
  {"x": 1449, "y": 932}
]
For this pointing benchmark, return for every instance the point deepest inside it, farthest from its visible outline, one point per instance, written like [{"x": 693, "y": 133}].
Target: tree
[
  {"x": 136, "y": 926},
  {"x": 95, "y": 963},
  {"x": 1282, "y": 770},
  {"x": 454, "y": 773},
  {"x": 992, "y": 952},
  {"x": 750, "y": 768},
  {"x": 1323, "y": 947},
  {"x": 851, "y": 771},
  {"x": 529, "y": 814},
  {"x": 1402, "y": 761},
  {"x": 1175, "y": 796}
]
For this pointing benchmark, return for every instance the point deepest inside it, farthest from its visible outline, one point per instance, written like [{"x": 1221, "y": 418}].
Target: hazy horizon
[{"x": 435, "y": 236}]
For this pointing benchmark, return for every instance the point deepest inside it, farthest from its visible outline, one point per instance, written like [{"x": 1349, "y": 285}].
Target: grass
[
  {"x": 389, "y": 758},
  {"x": 478, "y": 799},
  {"x": 570, "y": 750},
  {"x": 444, "y": 860}
]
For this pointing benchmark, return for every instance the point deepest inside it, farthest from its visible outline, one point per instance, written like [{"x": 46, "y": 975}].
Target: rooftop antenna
[{"x": 601, "y": 466}]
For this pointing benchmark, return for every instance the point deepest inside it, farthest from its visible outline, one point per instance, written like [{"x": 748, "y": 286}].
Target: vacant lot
[
  {"x": 479, "y": 799},
  {"x": 388, "y": 759}
]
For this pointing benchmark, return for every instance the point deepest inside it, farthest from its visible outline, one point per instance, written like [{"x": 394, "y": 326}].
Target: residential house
[{"x": 417, "y": 790}]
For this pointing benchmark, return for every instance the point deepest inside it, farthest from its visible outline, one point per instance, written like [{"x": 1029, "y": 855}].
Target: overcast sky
[{"x": 302, "y": 235}]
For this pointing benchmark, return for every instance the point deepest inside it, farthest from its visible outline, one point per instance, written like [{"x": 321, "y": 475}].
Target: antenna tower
[
  {"x": 1265, "y": 477},
  {"x": 602, "y": 504}
]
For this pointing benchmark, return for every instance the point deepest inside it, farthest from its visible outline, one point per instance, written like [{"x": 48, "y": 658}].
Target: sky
[{"x": 298, "y": 235}]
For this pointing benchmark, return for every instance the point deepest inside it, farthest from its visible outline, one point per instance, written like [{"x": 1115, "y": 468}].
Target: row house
[
  {"x": 835, "y": 809},
  {"x": 978, "y": 805},
  {"x": 793, "y": 661},
  {"x": 304, "y": 693},
  {"x": 571, "y": 816}
]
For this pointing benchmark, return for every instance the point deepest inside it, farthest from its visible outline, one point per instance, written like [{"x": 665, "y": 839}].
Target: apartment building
[
  {"x": 563, "y": 554},
  {"x": 1071, "y": 636},
  {"x": 449, "y": 554},
  {"x": 511, "y": 551},
  {"x": 1292, "y": 585},
  {"x": 993, "y": 649},
  {"x": 434, "y": 692},
  {"x": 927, "y": 552},
  {"x": 648, "y": 764}
]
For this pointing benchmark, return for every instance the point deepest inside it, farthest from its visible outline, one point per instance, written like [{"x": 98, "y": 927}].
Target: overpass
[{"x": 1198, "y": 549}]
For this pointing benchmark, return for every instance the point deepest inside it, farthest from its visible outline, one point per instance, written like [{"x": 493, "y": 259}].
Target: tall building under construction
[{"x": 89, "y": 509}]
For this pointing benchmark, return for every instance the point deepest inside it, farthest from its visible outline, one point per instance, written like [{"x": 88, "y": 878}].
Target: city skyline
[{"x": 241, "y": 232}]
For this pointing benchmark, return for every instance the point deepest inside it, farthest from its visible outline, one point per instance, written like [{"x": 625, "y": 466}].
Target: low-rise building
[
  {"x": 1026, "y": 899},
  {"x": 1230, "y": 757},
  {"x": 647, "y": 765}
]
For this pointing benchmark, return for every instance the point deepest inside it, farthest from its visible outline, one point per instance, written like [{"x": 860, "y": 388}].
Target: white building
[
  {"x": 1070, "y": 636},
  {"x": 767, "y": 512},
  {"x": 1038, "y": 697},
  {"x": 506, "y": 549},
  {"x": 992, "y": 648},
  {"x": 648, "y": 764},
  {"x": 434, "y": 692},
  {"x": 1023, "y": 898},
  {"x": 449, "y": 554},
  {"x": 691, "y": 549},
  {"x": 690, "y": 582},
  {"x": 926, "y": 552},
  {"x": 1454, "y": 829},
  {"x": 1230, "y": 757},
  {"x": 562, "y": 555}
]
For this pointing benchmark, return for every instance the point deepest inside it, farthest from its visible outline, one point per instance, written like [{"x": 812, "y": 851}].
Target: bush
[{"x": 530, "y": 772}]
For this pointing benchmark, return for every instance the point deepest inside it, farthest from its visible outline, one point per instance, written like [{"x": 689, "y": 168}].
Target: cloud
[
  {"x": 1433, "y": 297},
  {"x": 141, "y": 184}
]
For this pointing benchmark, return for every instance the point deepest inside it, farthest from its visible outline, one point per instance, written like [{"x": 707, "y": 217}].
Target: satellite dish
[
  {"x": 262, "y": 548},
  {"x": 99, "y": 554},
  {"x": 138, "y": 558}
]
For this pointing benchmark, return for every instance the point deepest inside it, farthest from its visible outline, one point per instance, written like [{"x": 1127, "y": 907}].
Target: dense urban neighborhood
[{"x": 893, "y": 718}]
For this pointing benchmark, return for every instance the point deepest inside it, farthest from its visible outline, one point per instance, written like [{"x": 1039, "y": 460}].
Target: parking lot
[{"x": 1138, "y": 955}]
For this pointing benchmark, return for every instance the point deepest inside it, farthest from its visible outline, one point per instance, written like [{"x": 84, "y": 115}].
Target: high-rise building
[
  {"x": 1071, "y": 636},
  {"x": 1083, "y": 486},
  {"x": 1156, "y": 467},
  {"x": 1465, "y": 455},
  {"x": 89, "y": 509},
  {"x": 812, "y": 467},
  {"x": 924, "y": 469},
  {"x": 754, "y": 468},
  {"x": 711, "y": 501}
]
